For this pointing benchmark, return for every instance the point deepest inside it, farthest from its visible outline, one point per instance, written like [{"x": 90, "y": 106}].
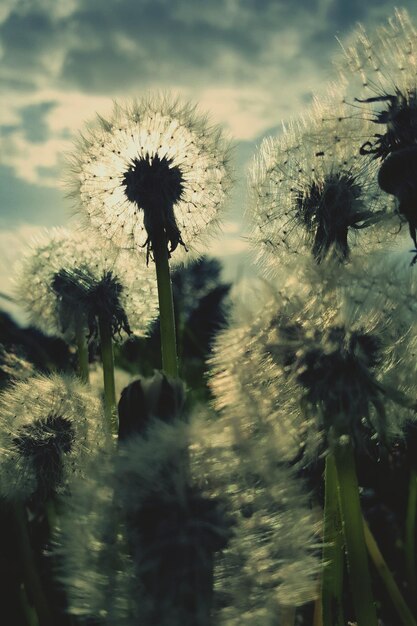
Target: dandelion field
[{"x": 178, "y": 451}]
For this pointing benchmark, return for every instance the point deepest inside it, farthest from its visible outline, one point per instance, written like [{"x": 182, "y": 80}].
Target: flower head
[
  {"x": 139, "y": 537},
  {"x": 48, "y": 425},
  {"x": 155, "y": 169},
  {"x": 64, "y": 278},
  {"x": 316, "y": 366},
  {"x": 311, "y": 192},
  {"x": 381, "y": 70}
]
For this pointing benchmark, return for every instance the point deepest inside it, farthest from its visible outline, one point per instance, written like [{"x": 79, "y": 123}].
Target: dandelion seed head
[
  {"x": 64, "y": 278},
  {"x": 155, "y": 166},
  {"x": 313, "y": 363},
  {"x": 311, "y": 193},
  {"x": 153, "y": 532},
  {"x": 47, "y": 427},
  {"x": 381, "y": 75}
]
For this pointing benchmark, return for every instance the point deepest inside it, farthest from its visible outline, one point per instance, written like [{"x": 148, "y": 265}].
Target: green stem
[
  {"x": 166, "y": 308},
  {"x": 28, "y": 610},
  {"x": 30, "y": 574},
  {"x": 287, "y": 616},
  {"x": 318, "y": 611},
  {"x": 357, "y": 559},
  {"x": 82, "y": 350},
  {"x": 410, "y": 533},
  {"x": 389, "y": 582},
  {"x": 107, "y": 359},
  {"x": 332, "y": 581}
]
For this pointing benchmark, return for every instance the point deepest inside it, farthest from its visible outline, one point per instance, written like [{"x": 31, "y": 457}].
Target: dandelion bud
[{"x": 143, "y": 400}]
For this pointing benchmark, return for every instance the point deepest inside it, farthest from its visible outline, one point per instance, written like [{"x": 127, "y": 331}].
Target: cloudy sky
[{"x": 251, "y": 63}]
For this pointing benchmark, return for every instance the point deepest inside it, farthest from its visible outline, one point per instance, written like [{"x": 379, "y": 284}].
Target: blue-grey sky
[{"x": 251, "y": 63}]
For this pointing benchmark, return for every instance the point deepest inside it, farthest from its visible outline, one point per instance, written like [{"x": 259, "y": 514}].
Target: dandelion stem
[
  {"x": 332, "y": 582},
  {"x": 410, "y": 533},
  {"x": 106, "y": 344},
  {"x": 288, "y": 616},
  {"x": 28, "y": 610},
  {"x": 30, "y": 574},
  {"x": 387, "y": 578},
  {"x": 166, "y": 307},
  {"x": 82, "y": 350},
  {"x": 357, "y": 558}
]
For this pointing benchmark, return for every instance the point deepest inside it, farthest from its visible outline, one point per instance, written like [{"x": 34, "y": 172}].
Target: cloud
[{"x": 251, "y": 63}]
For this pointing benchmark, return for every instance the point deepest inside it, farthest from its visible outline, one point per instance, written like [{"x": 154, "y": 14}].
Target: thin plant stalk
[
  {"x": 352, "y": 521},
  {"x": 107, "y": 359},
  {"x": 387, "y": 578},
  {"x": 318, "y": 611},
  {"x": 28, "y": 610},
  {"x": 31, "y": 577},
  {"x": 333, "y": 557},
  {"x": 410, "y": 533},
  {"x": 166, "y": 307},
  {"x": 82, "y": 350},
  {"x": 288, "y": 616}
]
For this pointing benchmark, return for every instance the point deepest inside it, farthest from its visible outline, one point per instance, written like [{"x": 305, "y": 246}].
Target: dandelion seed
[
  {"x": 48, "y": 426},
  {"x": 156, "y": 169},
  {"x": 311, "y": 192},
  {"x": 64, "y": 277}
]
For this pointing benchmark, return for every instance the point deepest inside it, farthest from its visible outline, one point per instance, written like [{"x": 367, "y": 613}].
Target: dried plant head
[
  {"x": 381, "y": 73},
  {"x": 271, "y": 561},
  {"x": 138, "y": 541},
  {"x": 48, "y": 427},
  {"x": 66, "y": 277},
  {"x": 156, "y": 168},
  {"x": 307, "y": 367},
  {"x": 312, "y": 194}
]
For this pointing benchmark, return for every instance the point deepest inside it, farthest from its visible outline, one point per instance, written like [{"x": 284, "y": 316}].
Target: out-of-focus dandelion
[
  {"x": 77, "y": 289},
  {"x": 65, "y": 276},
  {"x": 313, "y": 361},
  {"x": 310, "y": 191},
  {"x": 154, "y": 167},
  {"x": 270, "y": 564},
  {"x": 339, "y": 374},
  {"x": 48, "y": 426},
  {"x": 139, "y": 537},
  {"x": 381, "y": 70}
]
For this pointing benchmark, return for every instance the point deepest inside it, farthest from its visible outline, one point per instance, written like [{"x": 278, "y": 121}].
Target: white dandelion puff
[
  {"x": 144, "y": 535},
  {"x": 381, "y": 74},
  {"x": 321, "y": 363},
  {"x": 271, "y": 560},
  {"x": 48, "y": 427},
  {"x": 155, "y": 168},
  {"x": 310, "y": 192},
  {"x": 65, "y": 276}
]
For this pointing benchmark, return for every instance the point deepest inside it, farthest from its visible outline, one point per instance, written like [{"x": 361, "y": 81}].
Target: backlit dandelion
[
  {"x": 64, "y": 278},
  {"x": 381, "y": 70},
  {"x": 155, "y": 169},
  {"x": 48, "y": 426},
  {"x": 313, "y": 364},
  {"x": 139, "y": 537},
  {"x": 310, "y": 192}
]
